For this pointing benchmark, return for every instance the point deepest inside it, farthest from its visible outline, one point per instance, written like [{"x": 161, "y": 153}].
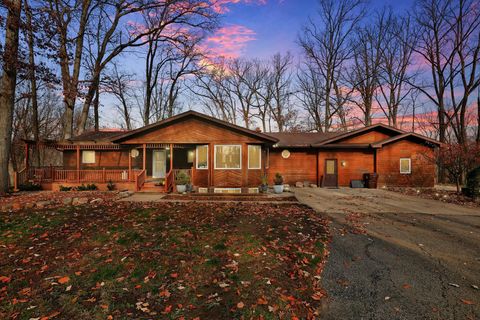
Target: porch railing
[
  {"x": 20, "y": 178},
  {"x": 169, "y": 181},
  {"x": 140, "y": 180},
  {"x": 57, "y": 174}
]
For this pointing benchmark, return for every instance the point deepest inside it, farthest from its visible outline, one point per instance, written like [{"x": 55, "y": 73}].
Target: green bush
[
  {"x": 182, "y": 178},
  {"x": 110, "y": 185},
  {"x": 88, "y": 187},
  {"x": 278, "y": 180},
  {"x": 64, "y": 188},
  {"x": 473, "y": 183},
  {"x": 30, "y": 186}
]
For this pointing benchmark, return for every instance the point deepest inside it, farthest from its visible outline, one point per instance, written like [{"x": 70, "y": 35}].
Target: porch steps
[{"x": 149, "y": 186}]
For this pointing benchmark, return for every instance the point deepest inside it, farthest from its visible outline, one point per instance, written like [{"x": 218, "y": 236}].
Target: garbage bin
[{"x": 370, "y": 180}]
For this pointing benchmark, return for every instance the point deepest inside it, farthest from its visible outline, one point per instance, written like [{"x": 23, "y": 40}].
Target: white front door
[{"x": 159, "y": 163}]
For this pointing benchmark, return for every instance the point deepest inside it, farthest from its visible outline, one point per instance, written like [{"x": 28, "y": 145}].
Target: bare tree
[
  {"x": 326, "y": 45},
  {"x": 367, "y": 58},
  {"x": 280, "y": 86},
  {"x": 212, "y": 86},
  {"x": 8, "y": 83},
  {"x": 68, "y": 23},
  {"x": 396, "y": 59},
  {"x": 169, "y": 16},
  {"x": 311, "y": 96},
  {"x": 465, "y": 27},
  {"x": 245, "y": 80},
  {"x": 119, "y": 84}
]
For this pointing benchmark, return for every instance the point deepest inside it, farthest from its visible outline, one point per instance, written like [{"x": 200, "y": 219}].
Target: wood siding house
[{"x": 219, "y": 156}]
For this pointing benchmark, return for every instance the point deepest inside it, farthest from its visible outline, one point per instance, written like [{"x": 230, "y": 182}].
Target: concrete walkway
[
  {"x": 144, "y": 197},
  {"x": 398, "y": 257}
]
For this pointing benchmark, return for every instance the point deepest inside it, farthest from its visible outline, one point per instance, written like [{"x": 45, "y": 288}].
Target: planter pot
[
  {"x": 263, "y": 188},
  {"x": 278, "y": 188},
  {"x": 181, "y": 188}
]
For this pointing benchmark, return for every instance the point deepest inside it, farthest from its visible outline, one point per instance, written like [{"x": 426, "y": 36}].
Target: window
[
  {"x": 228, "y": 157},
  {"x": 405, "y": 166},
  {"x": 202, "y": 157},
  {"x": 254, "y": 157},
  {"x": 190, "y": 154},
  {"x": 88, "y": 156}
]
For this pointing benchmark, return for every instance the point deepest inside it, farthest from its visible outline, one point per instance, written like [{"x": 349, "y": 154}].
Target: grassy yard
[{"x": 165, "y": 261}]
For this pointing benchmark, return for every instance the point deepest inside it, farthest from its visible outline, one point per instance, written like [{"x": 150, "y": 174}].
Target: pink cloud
[
  {"x": 228, "y": 41},
  {"x": 221, "y": 6}
]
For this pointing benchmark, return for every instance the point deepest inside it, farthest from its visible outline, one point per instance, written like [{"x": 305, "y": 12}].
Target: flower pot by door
[
  {"x": 181, "y": 188},
  {"x": 278, "y": 188}
]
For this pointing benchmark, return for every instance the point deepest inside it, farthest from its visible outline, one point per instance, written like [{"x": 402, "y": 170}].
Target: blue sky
[{"x": 277, "y": 23}]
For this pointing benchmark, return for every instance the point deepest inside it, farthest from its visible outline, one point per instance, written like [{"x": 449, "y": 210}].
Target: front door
[
  {"x": 159, "y": 163},
  {"x": 331, "y": 173}
]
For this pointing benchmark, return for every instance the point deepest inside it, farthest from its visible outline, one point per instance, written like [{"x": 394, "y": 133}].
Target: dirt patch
[
  {"x": 447, "y": 196},
  {"x": 17, "y": 201},
  {"x": 168, "y": 260}
]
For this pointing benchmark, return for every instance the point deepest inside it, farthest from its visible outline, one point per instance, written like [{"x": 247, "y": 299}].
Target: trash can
[{"x": 370, "y": 180}]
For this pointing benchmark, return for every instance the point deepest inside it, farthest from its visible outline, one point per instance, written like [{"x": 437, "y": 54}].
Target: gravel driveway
[{"x": 398, "y": 257}]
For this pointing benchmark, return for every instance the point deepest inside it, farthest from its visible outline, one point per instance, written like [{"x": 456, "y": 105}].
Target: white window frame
[
  {"x": 196, "y": 157},
  {"x": 260, "y": 155},
  {"x": 83, "y": 157},
  {"x": 409, "y": 166},
  {"x": 215, "y": 156}
]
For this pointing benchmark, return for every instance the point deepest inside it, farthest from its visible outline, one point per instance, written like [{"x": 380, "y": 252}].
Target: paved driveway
[{"x": 398, "y": 257}]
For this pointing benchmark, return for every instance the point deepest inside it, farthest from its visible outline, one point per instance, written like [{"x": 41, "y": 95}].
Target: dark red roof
[
  {"x": 106, "y": 135},
  {"x": 300, "y": 139}
]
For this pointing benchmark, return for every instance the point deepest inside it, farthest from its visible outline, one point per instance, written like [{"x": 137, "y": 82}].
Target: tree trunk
[
  {"x": 70, "y": 82},
  {"x": 33, "y": 84},
  {"x": 96, "y": 105},
  {"x": 92, "y": 89},
  {"x": 7, "y": 88}
]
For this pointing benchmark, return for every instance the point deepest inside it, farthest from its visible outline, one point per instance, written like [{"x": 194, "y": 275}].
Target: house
[{"x": 222, "y": 157}]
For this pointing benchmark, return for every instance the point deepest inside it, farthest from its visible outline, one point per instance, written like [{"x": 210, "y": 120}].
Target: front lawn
[{"x": 121, "y": 260}]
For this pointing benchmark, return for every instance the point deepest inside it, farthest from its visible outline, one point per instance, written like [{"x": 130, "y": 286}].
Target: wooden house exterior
[{"x": 219, "y": 156}]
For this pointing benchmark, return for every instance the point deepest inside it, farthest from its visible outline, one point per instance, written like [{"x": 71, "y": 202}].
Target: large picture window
[
  {"x": 202, "y": 157},
  {"x": 405, "y": 165},
  {"x": 228, "y": 157},
  {"x": 254, "y": 157},
  {"x": 88, "y": 156}
]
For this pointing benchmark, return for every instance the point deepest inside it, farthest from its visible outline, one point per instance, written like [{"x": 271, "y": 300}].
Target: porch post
[
  {"x": 144, "y": 156},
  {"x": 129, "y": 166},
  {"x": 26, "y": 155},
  {"x": 171, "y": 156},
  {"x": 78, "y": 163}
]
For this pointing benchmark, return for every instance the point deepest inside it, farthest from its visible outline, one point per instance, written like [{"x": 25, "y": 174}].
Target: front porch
[{"x": 153, "y": 166}]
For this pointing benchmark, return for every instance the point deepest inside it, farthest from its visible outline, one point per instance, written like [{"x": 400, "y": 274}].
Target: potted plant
[
  {"x": 181, "y": 181},
  {"x": 264, "y": 184},
  {"x": 278, "y": 183}
]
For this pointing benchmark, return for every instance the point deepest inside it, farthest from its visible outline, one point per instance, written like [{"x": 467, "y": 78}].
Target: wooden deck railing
[
  {"x": 140, "y": 179},
  {"x": 169, "y": 181},
  {"x": 19, "y": 178},
  {"x": 57, "y": 174}
]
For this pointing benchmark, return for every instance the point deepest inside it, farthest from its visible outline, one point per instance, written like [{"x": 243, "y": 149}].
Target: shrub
[
  {"x": 64, "y": 188},
  {"x": 110, "y": 185},
  {"x": 278, "y": 180},
  {"x": 182, "y": 178},
  {"x": 264, "y": 180},
  {"x": 473, "y": 183},
  {"x": 30, "y": 186},
  {"x": 88, "y": 187}
]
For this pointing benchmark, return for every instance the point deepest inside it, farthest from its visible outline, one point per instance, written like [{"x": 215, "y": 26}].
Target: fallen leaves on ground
[{"x": 180, "y": 260}]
